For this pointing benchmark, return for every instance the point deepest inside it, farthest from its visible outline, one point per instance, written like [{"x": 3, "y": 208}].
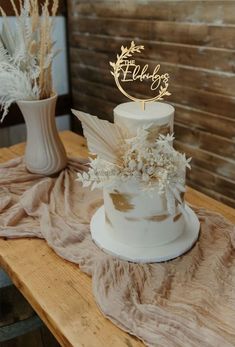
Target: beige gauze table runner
[{"x": 189, "y": 301}]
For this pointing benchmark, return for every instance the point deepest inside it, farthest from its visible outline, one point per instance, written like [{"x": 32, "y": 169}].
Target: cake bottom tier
[{"x": 142, "y": 253}]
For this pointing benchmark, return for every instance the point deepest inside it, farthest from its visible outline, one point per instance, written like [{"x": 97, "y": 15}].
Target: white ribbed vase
[{"x": 45, "y": 153}]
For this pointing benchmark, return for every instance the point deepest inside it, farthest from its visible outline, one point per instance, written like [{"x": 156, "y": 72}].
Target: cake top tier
[
  {"x": 132, "y": 116},
  {"x": 153, "y": 110}
]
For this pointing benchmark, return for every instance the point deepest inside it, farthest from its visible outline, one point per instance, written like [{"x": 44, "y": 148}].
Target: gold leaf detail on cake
[
  {"x": 177, "y": 217},
  {"x": 157, "y": 218},
  {"x": 122, "y": 202}
]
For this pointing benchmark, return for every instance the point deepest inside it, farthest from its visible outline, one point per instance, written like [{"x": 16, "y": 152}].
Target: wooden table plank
[
  {"x": 58, "y": 291},
  {"x": 70, "y": 311}
]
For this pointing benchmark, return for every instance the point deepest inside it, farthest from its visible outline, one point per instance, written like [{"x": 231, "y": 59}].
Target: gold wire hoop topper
[{"x": 130, "y": 72}]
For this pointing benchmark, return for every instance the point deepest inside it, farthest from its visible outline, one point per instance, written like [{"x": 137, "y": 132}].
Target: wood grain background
[{"x": 195, "y": 42}]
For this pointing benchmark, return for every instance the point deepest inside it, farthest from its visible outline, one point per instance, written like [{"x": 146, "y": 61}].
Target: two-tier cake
[
  {"x": 135, "y": 222},
  {"x": 144, "y": 217}
]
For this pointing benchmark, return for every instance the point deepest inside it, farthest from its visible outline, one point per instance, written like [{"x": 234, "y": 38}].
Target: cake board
[{"x": 140, "y": 254}]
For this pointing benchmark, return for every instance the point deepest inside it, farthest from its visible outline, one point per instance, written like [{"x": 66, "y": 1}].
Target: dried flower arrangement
[
  {"x": 154, "y": 164},
  {"x": 26, "y": 53}
]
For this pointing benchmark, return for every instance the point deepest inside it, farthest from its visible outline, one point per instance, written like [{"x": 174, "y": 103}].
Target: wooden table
[{"x": 58, "y": 291}]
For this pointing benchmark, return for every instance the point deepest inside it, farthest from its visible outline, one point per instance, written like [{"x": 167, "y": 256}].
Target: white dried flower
[
  {"x": 132, "y": 164},
  {"x": 158, "y": 166},
  {"x": 150, "y": 170},
  {"x": 145, "y": 177}
]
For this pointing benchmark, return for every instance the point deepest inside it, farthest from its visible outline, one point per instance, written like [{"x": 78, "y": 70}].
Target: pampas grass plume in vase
[{"x": 26, "y": 56}]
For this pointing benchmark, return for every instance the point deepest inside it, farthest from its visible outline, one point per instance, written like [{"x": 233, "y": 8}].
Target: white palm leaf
[
  {"x": 20, "y": 52},
  {"x": 103, "y": 138},
  {"x": 4, "y": 56},
  {"x": 23, "y": 36},
  {"x": 8, "y": 37},
  {"x": 27, "y": 27}
]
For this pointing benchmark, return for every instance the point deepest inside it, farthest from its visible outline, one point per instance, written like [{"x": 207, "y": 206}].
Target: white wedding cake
[
  {"x": 139, "y": 223},
  {"x": 133, "y": 216},
  {"x": 144, "y": 217}
]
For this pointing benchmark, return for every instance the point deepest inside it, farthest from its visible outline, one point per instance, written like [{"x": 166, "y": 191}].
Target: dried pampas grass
[
  {"x": 28, "y": 51},
  {"x": 17, "y": 86}
]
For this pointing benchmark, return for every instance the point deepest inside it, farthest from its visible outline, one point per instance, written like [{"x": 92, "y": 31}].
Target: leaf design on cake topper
[
  {"x": 103, "y": 138},
  {"x": 126, "y": 53}
]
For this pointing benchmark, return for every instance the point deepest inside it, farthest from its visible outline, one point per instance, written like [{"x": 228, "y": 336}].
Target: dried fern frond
[
  {"x": 15, "y": 85},
  {"x": 7, "y": 36},
  {"x": 4, "y": 56}
]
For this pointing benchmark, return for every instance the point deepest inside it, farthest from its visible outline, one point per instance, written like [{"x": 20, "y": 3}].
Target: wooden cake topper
[{"x": 126, "y": 70}]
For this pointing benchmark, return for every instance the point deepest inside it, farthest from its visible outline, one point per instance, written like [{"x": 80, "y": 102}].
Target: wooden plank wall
[{"x": 195, "y": 42}]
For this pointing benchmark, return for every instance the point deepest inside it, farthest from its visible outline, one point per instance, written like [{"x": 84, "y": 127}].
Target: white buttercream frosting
[
  {"x": 139, "y": 218},
  {"x": 132, "y": 116},
  {"x": 134, "y": 216}
]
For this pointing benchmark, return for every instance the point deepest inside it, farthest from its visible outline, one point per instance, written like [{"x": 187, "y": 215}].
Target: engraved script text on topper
[
  {"x": 133, "y": 72},
  {"x": 126, "y": 70}
]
